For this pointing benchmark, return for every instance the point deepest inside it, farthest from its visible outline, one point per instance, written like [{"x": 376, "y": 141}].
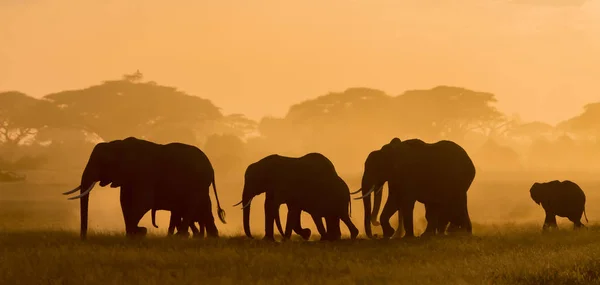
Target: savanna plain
[{"x": 40, "y": 244}]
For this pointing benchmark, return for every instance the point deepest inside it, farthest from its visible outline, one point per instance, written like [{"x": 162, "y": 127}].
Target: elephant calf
[
  {"x": 175, "y": 222},
  {"x": 560, "y": 198}
]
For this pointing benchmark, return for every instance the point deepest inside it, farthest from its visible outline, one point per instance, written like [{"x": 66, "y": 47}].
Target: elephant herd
[{"x": 177, "y": 177}]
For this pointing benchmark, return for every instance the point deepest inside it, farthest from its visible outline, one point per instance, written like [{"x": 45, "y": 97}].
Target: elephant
[
  {"x": 333, "y": 229},
  {"x": 175, "y": 222},
  {"x": 308, "y": 183},
  {"x": 173, "y": 176},
  {"x": 435, "y": 174},
  {"x": 559, "y": 198}
]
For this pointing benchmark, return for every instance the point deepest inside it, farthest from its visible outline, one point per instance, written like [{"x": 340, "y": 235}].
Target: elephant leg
[
  {"x": 351, "y": 227},
  {"x": 320, "y": 227},
  {"x": 291, "y": 221},
  {"x": 333, "y": 228},
  {"x": 400, "y": 229},
  {"x": 201, "y": 229},
  {"x": 208, "y": 221},
  {"x": 407, "y": 209},
  {"x": 432, "y": 215},
  {"x": 195, "y": 231},
  {"x": 294, "y": 221},
  {"x": 182, "y": 229},
  {"x": 388, "y": 210},
  {"x": 450, "y": 227},
  {"x": 550, "y": 221},
  {"x": 133, "y": 211},
  {"x": 442, "y": 221},
  {"x": 270, "y": 211},
  {"x": 174, "y": 222},
  {"x": 192, "y": 211},
  {"x": 576, "y": 219},
  {"x": 465, "y": 218}
]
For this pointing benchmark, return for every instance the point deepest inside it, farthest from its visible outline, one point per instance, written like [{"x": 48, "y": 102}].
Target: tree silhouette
[
  {"x": 531, "y": 130},
  {"x": 22, "y": 117},
  {"x": 226, "y": 152},
  {"x": 122, "y": 108},
  {"x": 447, "y": 112},
  {"x": 587, "y": 124}
]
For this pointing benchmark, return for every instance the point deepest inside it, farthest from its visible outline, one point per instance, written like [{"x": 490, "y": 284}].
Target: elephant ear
[{"x": 119, "y": 161}]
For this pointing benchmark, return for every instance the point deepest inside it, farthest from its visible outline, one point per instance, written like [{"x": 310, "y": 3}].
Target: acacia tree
[
  {"x": 446, "y": 112},
  {"x": 129, "y": 107},
  {"x": 22, "y": 117},
  {"x": 586, "y": 124},
  {"x": 344, "y": 126},
  {"x": 531, "y": 130}
]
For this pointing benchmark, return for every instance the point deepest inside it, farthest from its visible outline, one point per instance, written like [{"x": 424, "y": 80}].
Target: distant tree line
[{"x": 61, "y": 128}]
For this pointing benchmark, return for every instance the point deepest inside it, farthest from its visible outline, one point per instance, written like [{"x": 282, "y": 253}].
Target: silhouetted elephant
[
  {"x": 308, "y": 183},
  {"x": 333, "y": 225},
  {"x": 437, "y": 175},
  {"x": 563, "y": 199},
  {"x": 174, "y": 177},
  {"x": 175, "y": 222}
]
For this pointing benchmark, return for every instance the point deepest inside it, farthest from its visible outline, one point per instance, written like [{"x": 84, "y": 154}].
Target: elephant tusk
[
  {"x": 352, "y": 193},
  {"x": 379, "y": 190},
  {"x": 248, "y": 204},
  {"x": 368, "y": 193},
  {"x": 84, "y": 193},
  {"x": 238, "y": 203},
  {"x": 72, "y": 191}
]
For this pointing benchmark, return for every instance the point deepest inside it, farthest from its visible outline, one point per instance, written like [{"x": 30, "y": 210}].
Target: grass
[
  {"x": 39, "y": 244},
  {"x": 518, "y": 255}
]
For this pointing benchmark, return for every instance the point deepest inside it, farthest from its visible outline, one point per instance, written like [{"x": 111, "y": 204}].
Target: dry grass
[
  {"x": 511, "y": 256},
  {"x": 39, "y": 244}
]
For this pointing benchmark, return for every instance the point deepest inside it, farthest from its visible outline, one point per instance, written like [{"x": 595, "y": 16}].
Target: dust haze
[{"x": 515, "y": 84}]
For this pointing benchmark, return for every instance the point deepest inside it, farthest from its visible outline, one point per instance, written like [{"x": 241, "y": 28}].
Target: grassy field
[
  {"x": 39, "y": 244},
  {"x": 507, "y": 256}
]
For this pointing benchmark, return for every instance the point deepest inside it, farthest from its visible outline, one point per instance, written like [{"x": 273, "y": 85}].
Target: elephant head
[
  {"x": 103, "y": 167},
  {"x": 378, "y": 169},
  {"x": 537, "y": 192},
  {"x": 255, "y": 183}
]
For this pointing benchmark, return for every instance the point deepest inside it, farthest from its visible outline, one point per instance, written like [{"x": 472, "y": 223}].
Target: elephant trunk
[
  {"x": 376, "y": 204},
  {"x": 89, "y": 178},
  {"x": 246, "y": 202},
  {"x": 86, "y": 184},
  {"x": 367, "y": 207},
  {"x": 83, "y": 212}
]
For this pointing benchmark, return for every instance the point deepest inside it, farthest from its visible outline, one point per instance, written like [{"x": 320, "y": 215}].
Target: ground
[
  {"x": 39, "y": 244},
  {"x": 507, "y": 256}
]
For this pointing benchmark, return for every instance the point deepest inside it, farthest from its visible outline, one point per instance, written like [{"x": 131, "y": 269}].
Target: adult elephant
[
  {"x": 437, "y": 175},
  {"x": 174, "y": 177},
  {"x": 559, "y": 198},
  {"x": 308, "y": 183}
]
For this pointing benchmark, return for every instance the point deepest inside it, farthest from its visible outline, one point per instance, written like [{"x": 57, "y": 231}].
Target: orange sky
[{"x": 258, "y": 57}]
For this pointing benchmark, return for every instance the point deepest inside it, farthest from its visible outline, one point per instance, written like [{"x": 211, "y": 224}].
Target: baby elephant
[{"x": 563, "y": 199}]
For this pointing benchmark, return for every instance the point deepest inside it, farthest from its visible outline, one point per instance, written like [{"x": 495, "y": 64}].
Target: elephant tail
[
  {"x": 585, "y": 215},
  {"x": 220, "y": 211},
  {"x": 154, "y": 218},
  {"x": 350, "y": 208}
]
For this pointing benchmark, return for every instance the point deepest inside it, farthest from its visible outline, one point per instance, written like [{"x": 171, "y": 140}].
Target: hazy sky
[{"x": 258, "y": 57}]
